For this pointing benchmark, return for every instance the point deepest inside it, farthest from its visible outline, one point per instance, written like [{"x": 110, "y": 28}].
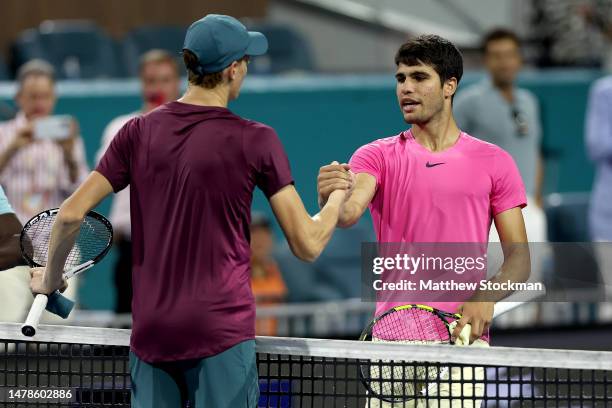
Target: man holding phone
[
  {"x": 42, "y": 157},
  {"x": 42, "y": 160}
]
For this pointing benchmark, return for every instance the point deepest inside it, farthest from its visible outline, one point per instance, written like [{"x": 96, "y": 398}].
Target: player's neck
[
  {"x": 438, "y": 134},
  {"x": 196, "y": 95}
]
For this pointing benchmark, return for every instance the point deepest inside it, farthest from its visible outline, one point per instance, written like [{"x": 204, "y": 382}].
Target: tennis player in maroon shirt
[{"x": 192, "y": 166}]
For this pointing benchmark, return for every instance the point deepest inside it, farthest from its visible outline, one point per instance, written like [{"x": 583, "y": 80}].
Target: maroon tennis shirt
[{"x": 192, "y": 171}]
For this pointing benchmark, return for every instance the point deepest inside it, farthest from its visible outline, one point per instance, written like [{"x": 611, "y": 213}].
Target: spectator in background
[
  {"x": 266, "y": 280},
  {"x": 596, "y": 18},
  {"x": 497, "y": 111},
  {"x": 160, "y": 79},
  {"x": 38, "y": 173},
  {"x": 599, "y": 148},
  {"x": 561, "y": 28}
]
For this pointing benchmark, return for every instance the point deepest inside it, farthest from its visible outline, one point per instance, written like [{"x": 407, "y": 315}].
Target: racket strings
[
  {"x": 37, "y": 239},
  {"x": 393, "y": 380},
  {"x": 93, "y": 238},
  {"x": 399, "y": 380},
  {"x": 412, "y": 325}
]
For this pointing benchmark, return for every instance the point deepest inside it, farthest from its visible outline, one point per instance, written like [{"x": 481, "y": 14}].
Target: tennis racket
[
  {"x": 92, "y": 244},
  {"x": 411, "y": 324}
]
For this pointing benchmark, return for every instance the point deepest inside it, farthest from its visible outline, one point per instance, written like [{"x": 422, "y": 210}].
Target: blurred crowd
[
  {"x": 81, "y": 49},
  {"x": 40, "y": 168},
  {"x": 561, "y": 28}
]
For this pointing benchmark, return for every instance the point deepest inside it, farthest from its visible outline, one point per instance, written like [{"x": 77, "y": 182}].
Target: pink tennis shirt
[{"x": 450, "y": 196}]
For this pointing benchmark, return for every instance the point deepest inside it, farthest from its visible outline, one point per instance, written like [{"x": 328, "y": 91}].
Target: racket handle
[
  {"x": 31, "y": 323},
  {"x": 505, "y": 307},
  {"x": 515, "y": 300},
  {"x": 59, "y": 304}
]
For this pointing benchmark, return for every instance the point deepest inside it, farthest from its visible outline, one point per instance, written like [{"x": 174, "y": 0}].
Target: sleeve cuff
[
  {"x": 370, "y": 172},
  {"x": 522, "y": 204},
  {"x": 275, "y": 189}
]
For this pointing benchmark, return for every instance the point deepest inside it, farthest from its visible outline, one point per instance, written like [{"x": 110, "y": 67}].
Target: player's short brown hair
[
  {"x": 157, "y": 56},
  {"x": 207, "y": 80},
  {"x": 435, "y": 51}
]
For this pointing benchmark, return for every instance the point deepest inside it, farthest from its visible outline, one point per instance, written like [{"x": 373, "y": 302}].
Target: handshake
[{"x": 334, "y": 178}]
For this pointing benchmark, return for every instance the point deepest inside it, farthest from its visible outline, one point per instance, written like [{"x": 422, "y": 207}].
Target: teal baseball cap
[{"x": 219, "y": 40}]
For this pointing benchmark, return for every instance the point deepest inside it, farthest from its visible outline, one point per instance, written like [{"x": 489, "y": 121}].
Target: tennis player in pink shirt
[{"x": 434, "y": 183}]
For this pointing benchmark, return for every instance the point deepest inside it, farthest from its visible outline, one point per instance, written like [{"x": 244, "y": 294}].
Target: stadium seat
[
  {"x": 76, "y": 48},
  {"x": 26, "y": 47},
  {"x": 121, "y": 68},
  {"x": 567, "y": 216},
  {"x": 143, "y": 39},
  {"x": 288, "y": 51},
  {"x": 574, "y": 260}
]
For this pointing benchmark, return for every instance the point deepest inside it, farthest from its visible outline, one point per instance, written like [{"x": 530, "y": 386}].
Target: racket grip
[
  {"x": 59, "y": 304},
  {"x": 31, "y": 323}
]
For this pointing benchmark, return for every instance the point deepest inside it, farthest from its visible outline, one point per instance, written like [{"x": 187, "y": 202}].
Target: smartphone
[{"x": 58, "y": 127}]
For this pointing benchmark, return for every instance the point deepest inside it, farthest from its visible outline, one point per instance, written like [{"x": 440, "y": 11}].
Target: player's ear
[
  {"x": 233, "y": 70},
  {"x": 450, "y": 87}
]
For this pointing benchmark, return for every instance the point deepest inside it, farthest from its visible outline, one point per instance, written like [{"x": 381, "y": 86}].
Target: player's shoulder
[
  {"x": 125, "y": 118},
  {"x": 378, "y": 149},
  {"x": 486, "y": 156},
  {"x": 252, "y": 128},
  {"x": 383, "y": 143},
  {"x": 170, "y": 108},
  {"x": 482, "y": 146},
  {"x": 119, "y": 121}
]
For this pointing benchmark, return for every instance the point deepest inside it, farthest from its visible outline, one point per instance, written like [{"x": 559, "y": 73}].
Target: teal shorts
[{"x": 225, "y": 380}]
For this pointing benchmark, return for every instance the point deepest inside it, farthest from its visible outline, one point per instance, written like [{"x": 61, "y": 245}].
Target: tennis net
[{"x": 93, "y": 365}]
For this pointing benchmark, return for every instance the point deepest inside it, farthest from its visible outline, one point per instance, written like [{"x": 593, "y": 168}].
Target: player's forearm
[
  {"x": 319, "y": 229},
  {"x": 349, "y": 215},
  {"x": 63, "y": 235},
  {"x": 516, "y": 268}
]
